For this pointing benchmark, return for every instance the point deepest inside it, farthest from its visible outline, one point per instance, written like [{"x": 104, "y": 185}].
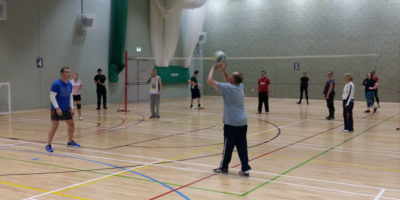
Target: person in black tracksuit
[
  {"x": 303, "y": 87},
  {"x": 100, "y": 81}
]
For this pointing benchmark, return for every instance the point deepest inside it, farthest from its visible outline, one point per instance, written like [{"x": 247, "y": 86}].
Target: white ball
[{"x": 219, "y": 56}]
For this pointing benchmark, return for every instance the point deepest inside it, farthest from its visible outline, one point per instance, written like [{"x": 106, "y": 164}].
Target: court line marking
[
  {"x": 166, "y": 193},
  {"x": 205, "y": 189},
  {"x": 318, "y": 155},
  {"x": 77, "y": 184},
  {"x": 150, "y": 164},
  {"x": 380, "y": 194},
  {"x": 41, "y": 190},
  {"x": 98, "y": 162},
  {"x": 122, "y": 176},
  {"x": 190, "y": 169}
]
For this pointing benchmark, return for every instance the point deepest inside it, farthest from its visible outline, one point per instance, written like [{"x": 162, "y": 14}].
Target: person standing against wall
[
  {"x": 195, "y": 90},
  {"x": 100, "y": 81},
  {"x": 348, "y": 103},
  {"x": 329, "y": 94},
  {"x": 76, "y": 92},
  {"x": 303, "y": 87},
  {"x": 155, "y": 86},
  {"x": 263, "y": 90},
  {"x": 62, "y": 108},
  {"x": 376, "y": 78},
  {"x": 370, "y": 85}
]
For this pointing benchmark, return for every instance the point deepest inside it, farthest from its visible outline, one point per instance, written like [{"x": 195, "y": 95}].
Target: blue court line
[{"x": 103, "y": 163}]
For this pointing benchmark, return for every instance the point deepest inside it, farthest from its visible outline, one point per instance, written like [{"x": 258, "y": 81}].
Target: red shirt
[{"x": 263, "y": 84}]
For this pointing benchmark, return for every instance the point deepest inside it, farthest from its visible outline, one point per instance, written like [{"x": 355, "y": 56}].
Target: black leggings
[
  {"x": 376, "y": 96},
  {"x": 263, "y": 98},
  {"x": 330, "y": 104},
  {"x": 101, "y": 91},
  {"x": 348, "y": 115},
  {"x": 303, "y": 89}
]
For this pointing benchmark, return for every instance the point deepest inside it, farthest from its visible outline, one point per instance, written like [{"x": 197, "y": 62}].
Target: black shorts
[
  {"x": 76, "y": 97},
  {"x": 195, "y": 93},
  {"x": 66, "y": 115}
]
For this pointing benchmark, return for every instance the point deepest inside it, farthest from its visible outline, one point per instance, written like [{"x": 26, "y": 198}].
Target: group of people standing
[{"x": 370, "y": 84}]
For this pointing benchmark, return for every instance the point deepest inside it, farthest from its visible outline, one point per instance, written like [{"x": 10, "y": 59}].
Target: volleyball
[{"x": 219, "y": 56}]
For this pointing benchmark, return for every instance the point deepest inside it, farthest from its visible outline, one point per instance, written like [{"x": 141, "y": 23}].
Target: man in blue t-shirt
[
  {"x": 235, "y": 118},
  {"x": 62, "y": 108}
]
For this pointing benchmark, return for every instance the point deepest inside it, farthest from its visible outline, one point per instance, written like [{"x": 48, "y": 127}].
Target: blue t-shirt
[
  {"x": 63, "y": 91},
  {"x": 234, "y": 110}
]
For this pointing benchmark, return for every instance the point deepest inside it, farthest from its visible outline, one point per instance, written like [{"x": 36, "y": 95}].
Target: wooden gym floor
[{"x": 295, "y": 154}]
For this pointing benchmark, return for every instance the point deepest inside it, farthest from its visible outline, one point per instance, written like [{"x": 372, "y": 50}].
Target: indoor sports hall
[{"x": 199, "y": 99}]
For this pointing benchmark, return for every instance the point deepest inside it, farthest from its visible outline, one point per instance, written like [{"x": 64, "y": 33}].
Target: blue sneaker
[
  {"x": 73, "y": 144},
  {"x": 49, "y": 149}
]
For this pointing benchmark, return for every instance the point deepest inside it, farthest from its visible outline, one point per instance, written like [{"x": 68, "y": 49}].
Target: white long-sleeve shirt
[{"x": 348, "y": 92}]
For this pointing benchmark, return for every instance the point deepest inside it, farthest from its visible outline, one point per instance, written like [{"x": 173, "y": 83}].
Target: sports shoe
[
  {"x": 98, "y": 108},
  {"x": 152, "y": 117},
  {"x": 80, "y": 118},
  {"x": 200, "y": 107},
  {"x": 367, "y": 111},
  {"x": 191, "y": 106},
  {"x": 345, "y": 131},
  {"x": 298, "y": 102},
  {"x": 245, "y": 174},
  {"x": 330, "y": 118},
  {"x": 258, "y": 112},
  {"x": 220, "y": 171},
  {"x": 73, "y": 144},
  {"x": 49, "y": 149},
  {"x": 158, "y": 116},
  {"x": 376, "y": 108},
  {"x": 105, "y": 108}
]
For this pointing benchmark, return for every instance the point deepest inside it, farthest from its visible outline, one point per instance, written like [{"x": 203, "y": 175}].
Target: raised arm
[
  {"x": 223, "y": 67},
  {"x": 210, "y": 80}
]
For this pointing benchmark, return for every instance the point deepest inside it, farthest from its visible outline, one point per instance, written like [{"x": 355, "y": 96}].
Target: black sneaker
[
  {"x": 258, "y": 112},
  {"x": 97, "y": 108},
  {"x": 367, "y": 111},
  {"x": 376, "y": 108},
  {"x": 245, "y": 174},
  {"x": 105, "y": 108},
  {"x": 220, "y": 171},
  {"x": 298, "y": 102},
  {"x": 152, "y": 117},
  {"x": 158, "y": 116}
]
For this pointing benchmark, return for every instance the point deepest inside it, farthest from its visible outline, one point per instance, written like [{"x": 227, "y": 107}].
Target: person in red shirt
[{"x": 263, "y": 89}]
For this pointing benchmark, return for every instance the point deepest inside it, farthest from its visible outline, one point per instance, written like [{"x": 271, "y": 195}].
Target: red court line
[{"x": 262, "y": 155}]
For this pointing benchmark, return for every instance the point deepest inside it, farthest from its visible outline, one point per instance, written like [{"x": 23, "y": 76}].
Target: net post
[{"x": 125, "y": 85}]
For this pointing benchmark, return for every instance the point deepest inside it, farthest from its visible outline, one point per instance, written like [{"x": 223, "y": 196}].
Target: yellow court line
[
  {"x": 40, "y": 190},
  {"x": 164, "y": 161}
]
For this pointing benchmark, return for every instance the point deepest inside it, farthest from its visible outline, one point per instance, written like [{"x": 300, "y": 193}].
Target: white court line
[
  {"x": 13, "y": 144},
  {"x": 380, "y": 194},
  {"x": 211, "y": 166},
  {"x": 88, "y": 181}
]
